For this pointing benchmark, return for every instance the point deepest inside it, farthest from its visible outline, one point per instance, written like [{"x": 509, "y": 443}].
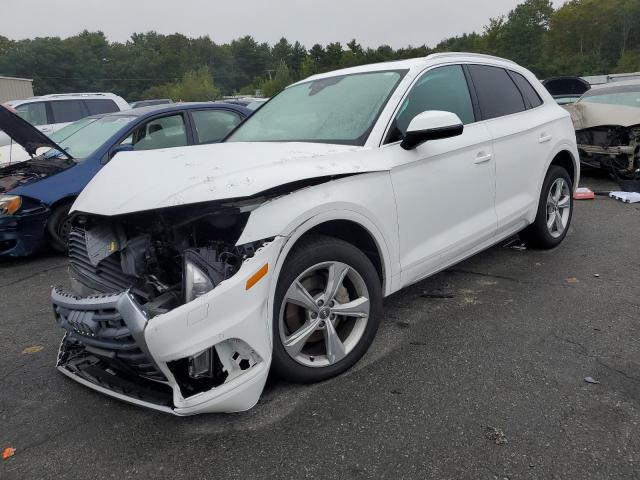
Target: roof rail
[
  {"x": 85, "y": 94},
  {"x": 463, "y": 54}
]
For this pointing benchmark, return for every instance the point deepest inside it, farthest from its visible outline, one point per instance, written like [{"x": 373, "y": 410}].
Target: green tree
[
  {"x": 195, "y": 86},
  {"x": 279, "y": 82}
]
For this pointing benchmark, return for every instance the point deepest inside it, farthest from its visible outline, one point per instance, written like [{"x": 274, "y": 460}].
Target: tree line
[{"x": 582, "y": 37}]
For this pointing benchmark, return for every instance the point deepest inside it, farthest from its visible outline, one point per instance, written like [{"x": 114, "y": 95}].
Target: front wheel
[
  {"x": 555, "y": 211},
  {"x": 327, "y": 309},
  {"x": 59, "y": 227}
]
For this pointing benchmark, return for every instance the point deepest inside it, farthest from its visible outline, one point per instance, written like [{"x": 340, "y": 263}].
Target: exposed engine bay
[
  {"x": 608, "y": 130},
  {"x": 146, "y": 252},
  {"x": 613, "y": 148},
  {"x": 22, "y": 173}
]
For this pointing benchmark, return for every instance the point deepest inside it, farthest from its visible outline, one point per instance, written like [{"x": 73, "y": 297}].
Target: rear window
[
  {"x": 34, "y": 113},
  {"x": 65, "y": 111},
  {"x": 497, "y": 93},
  {"x": 528, "y": 92},
  {"x": 101, "y": 105}
]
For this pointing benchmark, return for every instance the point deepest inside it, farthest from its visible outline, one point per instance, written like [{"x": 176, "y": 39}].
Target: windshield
[
  {"x": 82, "y": 138},
  {"x": 628, "y": 96},
  {"x": 340, "y": 110},
  {"x": 65, "y": 132}
]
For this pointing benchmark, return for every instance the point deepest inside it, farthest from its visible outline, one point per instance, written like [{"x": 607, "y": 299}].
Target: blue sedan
[{"x": 36, "y": 195}]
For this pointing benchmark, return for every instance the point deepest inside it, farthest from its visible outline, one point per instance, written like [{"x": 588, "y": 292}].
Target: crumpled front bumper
[{"x": 134, "y": 362}]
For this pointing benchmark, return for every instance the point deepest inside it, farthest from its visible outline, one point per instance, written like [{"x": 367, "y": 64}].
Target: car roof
[
  {"x": 419, "y": 64},
  {"x": 622, "y": 83},
  {"x": 174, "y": 107}
]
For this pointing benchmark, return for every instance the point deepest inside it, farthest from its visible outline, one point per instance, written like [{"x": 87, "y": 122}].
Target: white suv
[
  {"x": 49, "y": 113},
  {"x": 198, "y": 270}
]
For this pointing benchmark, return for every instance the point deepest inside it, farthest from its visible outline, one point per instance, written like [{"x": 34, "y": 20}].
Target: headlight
[
  {"x": 9, "y": 204},
  {"x": 196, "y": 282}
]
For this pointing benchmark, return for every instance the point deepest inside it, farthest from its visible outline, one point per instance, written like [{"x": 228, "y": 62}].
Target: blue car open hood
[{"x": 25, "y": 134}]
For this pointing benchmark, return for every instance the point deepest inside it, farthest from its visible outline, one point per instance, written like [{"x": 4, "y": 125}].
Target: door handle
[
  {"x": 545, "y": 137},
  {"x": 482, "y": 158}
]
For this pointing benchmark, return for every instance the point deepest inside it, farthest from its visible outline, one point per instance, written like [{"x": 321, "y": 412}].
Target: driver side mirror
[
  {"x": 431, "y": 125},
  {"x": 127, "y": 147}
]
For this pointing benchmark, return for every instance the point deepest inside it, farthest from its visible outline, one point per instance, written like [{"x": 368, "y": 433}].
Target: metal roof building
[{"x": 15, "y": 88}]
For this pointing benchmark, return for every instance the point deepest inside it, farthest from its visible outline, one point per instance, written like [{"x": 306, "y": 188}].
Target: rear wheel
[
  {"x": 555, "y": 211},
  {"x": 327, "y": 310},
  {"x": 59, "y": 227}
]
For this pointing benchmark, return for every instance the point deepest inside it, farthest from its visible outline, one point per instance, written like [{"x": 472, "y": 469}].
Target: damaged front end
[
  {"x": 161, "y": 312},
  {"x": 615, "y": 149}
]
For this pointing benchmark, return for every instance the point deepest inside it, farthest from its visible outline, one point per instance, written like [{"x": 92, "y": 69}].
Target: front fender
[{"x": 348, "y": 199}]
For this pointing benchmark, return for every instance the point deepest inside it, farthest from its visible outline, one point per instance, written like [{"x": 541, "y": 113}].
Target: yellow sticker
[
  {"x": 113, "y": 246},
  {"x": 31, "y": 350}
]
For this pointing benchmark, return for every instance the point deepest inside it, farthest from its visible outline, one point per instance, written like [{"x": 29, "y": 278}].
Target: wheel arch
[
  {"x": 565, "y": 159},
  {"x": 350, "y": 227},
  {"x": 565, "y": 155}
]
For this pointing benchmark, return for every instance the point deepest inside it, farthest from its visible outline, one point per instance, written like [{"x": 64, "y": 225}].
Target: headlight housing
[
  {"x": 196, "y": 281},
  {"x": 9, "y": 204}
]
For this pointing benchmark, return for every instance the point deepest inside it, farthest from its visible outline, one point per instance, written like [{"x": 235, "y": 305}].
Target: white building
[{"x": 15, "y": 88}]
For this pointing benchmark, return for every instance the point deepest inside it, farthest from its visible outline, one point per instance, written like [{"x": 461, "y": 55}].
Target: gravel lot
[{"x": 487, "y": 382}]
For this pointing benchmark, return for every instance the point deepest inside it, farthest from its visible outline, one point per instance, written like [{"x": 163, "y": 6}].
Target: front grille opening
[{"x": 104, "y": 334}]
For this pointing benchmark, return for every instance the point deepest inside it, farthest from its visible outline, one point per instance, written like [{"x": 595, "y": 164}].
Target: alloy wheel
[
  {"x": 558, "y": 207},
  {"x": 324, "y": 314}
]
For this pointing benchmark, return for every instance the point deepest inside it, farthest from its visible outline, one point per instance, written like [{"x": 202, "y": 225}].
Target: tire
[
  {"x": 58, "y": 228},
  {"x": 307, "y": 358},
  {"x": 545, "y": 232}
]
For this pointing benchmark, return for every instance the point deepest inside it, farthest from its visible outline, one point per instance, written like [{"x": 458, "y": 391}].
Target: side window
[
  {"x": 497, "y": 94},
  {"x": 34, "y": 113},
  {"x": 100, "y": 105},
  {"x": 165, "y": 132},
  {"x": 66, "y": 111},
  {"x": 214, "y": 125},
  {"x": 443, "y": 88},
  {"x": 528, "y": 92}
]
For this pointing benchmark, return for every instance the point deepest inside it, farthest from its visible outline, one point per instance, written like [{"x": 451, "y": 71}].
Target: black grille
[
  {"x": 106, "y": 277},
  {"x": 95, "y": 324}
]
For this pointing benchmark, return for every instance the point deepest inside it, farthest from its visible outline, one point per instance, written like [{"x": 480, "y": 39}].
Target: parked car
[
  {"x": 607, "y": 123},
  {"x": 36, "y": 195},
  {"x": 566, "y": 90},
  {"x": 252, "y": 103},
  {"x": 196, "y": 271},
  {"x": 49, "y": 113},
  {"x": 148, "y": 103}
]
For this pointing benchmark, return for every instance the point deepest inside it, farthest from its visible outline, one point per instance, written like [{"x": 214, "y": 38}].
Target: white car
[
  {"x": 197, "y": 271},
  {"x": 49, "y": 113}
]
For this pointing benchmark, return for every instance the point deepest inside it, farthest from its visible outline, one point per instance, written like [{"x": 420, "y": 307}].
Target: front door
[{"x": 444, "y": 189}]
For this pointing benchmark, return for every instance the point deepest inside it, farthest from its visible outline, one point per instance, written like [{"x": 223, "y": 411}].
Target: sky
[{"x": 372, "y": 22}]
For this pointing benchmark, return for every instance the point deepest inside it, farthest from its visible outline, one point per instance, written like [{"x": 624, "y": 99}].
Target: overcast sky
[{"x": 372, "y": 22}]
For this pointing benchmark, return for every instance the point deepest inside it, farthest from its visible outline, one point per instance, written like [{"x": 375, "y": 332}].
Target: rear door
[{"x": 521, "y": 140}]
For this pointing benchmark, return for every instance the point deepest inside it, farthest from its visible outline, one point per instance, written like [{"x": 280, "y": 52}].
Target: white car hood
[{"x": 138, "y": 181}]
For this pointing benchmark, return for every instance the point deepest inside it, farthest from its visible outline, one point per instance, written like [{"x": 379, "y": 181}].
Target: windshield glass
[
  {"x": 70, "y": 129},
  {"x": 341, "y": 110},
  {"x": 628, "y": 96},
  {"x": 82, "y": 138}
]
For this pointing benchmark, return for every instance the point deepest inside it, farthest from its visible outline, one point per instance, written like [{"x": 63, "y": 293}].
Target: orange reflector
[{"x": 256, "y": 277}]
